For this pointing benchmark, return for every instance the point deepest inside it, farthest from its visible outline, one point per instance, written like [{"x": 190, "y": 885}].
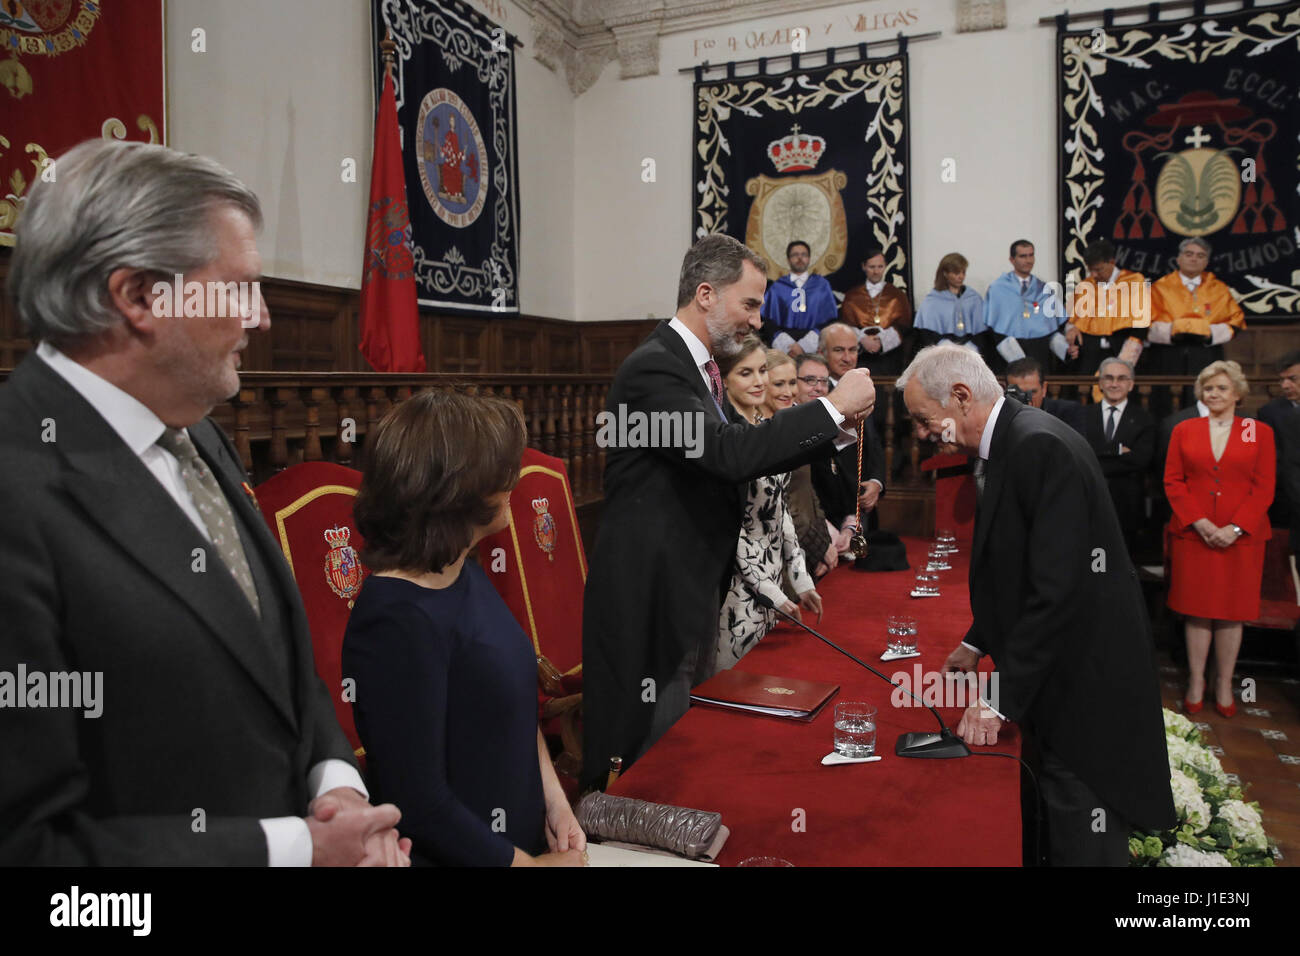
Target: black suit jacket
[
  {"x": 1072, "y": 413},
  {"x": 667, "y": 539},
  {"x": 835, "y": 478},
  {"x": 1135, "y": 430},
  {"x": 199, "y": 713},
  {"x": 1273, "y": 414},
  {"x": 1286, "y": 429},
  {"x": 1057, "y": 604}
]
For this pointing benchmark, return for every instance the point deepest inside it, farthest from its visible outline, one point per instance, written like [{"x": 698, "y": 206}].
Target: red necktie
[{"x": 715, "y": 380}]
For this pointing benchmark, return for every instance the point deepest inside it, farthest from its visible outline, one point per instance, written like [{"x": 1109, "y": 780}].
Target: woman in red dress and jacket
[{"x": 1219, "y": 478}]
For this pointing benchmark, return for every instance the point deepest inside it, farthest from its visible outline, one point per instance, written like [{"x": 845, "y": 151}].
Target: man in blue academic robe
[
  {"x": 1025, "y": 313},
  {"x": 797, "y": 305}
]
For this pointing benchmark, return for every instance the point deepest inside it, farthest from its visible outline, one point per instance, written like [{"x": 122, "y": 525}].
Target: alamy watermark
[
  {"x": 940, "y": 689},
  {"x": 77, "y": 690},
  {"x": 636, "y": 429},
  {"x": 193, "y": 299}
]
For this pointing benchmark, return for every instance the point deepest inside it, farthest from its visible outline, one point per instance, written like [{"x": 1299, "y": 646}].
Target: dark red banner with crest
[
  {"x": 74, "y": 70},
  {"x": 1187, "y": 128}
]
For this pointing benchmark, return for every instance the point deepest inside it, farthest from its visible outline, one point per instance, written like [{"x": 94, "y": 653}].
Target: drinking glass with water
[
  {"x": 902, "y": 634},
  {"x": 855, "y": 729}
]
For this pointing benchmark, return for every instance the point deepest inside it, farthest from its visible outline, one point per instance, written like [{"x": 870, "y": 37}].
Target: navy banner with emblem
[
  {"x": 819, "y": 155},
  {"x": 455, "y": 88},
  {"x": 1186, "y": 128}
]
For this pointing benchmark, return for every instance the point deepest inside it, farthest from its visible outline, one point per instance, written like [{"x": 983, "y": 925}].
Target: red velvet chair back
[
  {"x": 537, "y": 564},
  {"x": 954, "y": 496},
  {"x": 309, "y": 510}
]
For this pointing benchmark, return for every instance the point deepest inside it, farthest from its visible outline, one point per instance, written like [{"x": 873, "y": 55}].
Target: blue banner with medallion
[
  {"x": 455, "y": 88},
  {"x": 816, "y": 154},
  {"x": 1180, "y": 128}
]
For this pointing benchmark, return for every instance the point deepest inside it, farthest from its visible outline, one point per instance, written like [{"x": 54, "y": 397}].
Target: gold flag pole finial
[{"x": 388, "y": 50}]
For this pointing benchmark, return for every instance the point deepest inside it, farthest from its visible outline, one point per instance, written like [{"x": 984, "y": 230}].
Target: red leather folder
[{"x": 764, "y": 694}]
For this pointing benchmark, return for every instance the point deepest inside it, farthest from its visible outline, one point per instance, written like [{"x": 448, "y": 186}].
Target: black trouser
[{"x": 1080, "y": 828}]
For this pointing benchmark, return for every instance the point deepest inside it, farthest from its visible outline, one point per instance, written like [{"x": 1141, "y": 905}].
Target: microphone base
[{"x": 935, "y": 746}]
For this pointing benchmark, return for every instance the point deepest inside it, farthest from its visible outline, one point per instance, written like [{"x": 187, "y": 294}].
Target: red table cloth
[{"x": 764, "y": 774}]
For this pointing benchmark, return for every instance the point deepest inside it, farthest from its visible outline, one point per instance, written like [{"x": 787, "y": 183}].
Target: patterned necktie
[
  {"x": 1024, "y": 286},
  {"x": 715, "y": 380},
  {"x": 213, "y": 508},
  {"x": 979, "y": 468},
  {"x": 1110, "y": 423}
]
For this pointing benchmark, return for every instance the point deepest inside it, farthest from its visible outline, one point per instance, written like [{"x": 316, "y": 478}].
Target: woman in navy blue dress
[{"x": 445, "y": 679}]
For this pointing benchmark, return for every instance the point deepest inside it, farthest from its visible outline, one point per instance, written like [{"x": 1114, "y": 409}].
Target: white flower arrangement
[
  {"x": 1189, "y": 804},
  {"x": 1180, "y": 854},
  {"x": 1216, "y": 826},
  {"x": 1244, "y": 824}
]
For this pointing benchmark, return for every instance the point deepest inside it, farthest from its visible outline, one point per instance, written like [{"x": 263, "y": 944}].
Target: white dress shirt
[
  {"x": 874, "y": 288},
  {"x": 288, "y": 839},
  {"x": 1191, "y": 284},
  {"x": 986, "y": 442}
]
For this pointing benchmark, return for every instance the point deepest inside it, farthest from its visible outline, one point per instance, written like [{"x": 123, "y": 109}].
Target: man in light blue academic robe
[
  {"x": 797, "y": 305},
  {"x": 1025, "y": 313}
]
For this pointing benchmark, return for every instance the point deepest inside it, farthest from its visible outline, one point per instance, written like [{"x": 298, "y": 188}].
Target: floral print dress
[{"x": 766, "y": 548}]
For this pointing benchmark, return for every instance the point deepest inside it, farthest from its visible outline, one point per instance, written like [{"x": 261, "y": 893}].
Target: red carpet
[{"x": 764, "y": 774}]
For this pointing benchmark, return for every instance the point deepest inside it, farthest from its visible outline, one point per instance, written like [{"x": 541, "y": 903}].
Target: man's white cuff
[
  {"x": 1059, "y": 345},
  {"x": 1009, "y": 348},
  {"x": 1220, "y": 332},
  {"x": 890, "y": 339},
  {"x": 783, "y": 341},
  {"x": 1160, "y": 333}
]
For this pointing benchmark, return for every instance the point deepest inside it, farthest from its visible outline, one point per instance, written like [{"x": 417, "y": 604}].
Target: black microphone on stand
[{"x": 914, "y": 744}]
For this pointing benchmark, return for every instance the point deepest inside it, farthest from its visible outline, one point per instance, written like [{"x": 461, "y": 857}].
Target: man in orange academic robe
[
  {"x": 881, "y": 313},
  {"x": 1193, "y": 315},
  {"x": 1111, "y": 309}
]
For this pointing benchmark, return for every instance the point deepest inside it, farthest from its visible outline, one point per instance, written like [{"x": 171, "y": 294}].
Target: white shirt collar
[
  {"x": 1120, "y": 407},
  {"x": 1019, "y": 279},
  {"x": 699, "y": 354},
  {"x": 134, "y": 423},
  {"x": 1191, "y": 283},
  {"x": 1202, "y": 409},
  {"x": 986, "y": 437},
  {"x": 875, "y": 288},
  {"x": 799, "y": 278},
  {"x": 1113, "y": 276}
]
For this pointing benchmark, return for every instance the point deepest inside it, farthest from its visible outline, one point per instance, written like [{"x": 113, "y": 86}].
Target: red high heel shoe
[
  {"x": 1193, "y": 708},
  {"x": 1228, "y": 711}
]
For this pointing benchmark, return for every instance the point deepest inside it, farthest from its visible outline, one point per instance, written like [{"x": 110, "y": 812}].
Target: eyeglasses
[{"x": 814, "y": 380}]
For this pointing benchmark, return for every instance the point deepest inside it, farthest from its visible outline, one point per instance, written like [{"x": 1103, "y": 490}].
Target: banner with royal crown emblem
[
  {"x": 820, "y": 155},
  {"x": 1184, "y": 128},
  {"x": 74, "y": 70},
  {"x": 455, "y": 89}
]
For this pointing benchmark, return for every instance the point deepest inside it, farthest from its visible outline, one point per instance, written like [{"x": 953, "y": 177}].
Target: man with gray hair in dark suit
[
  {"x": 132, "y": 550},
  {"x": 1055, "y": 602}
]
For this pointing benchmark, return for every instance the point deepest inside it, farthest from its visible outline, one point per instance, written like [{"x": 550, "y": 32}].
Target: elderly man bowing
[{"x": 1056, "y": 603}]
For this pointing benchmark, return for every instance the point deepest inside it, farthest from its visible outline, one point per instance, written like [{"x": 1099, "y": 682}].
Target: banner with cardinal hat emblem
[{"x": 1186, "y": 128}]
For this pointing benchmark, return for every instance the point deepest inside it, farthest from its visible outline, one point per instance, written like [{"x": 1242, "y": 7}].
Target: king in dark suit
[
  {"x": 1056, "y": 603},
  {"x": 1123, "y": 437},
  {"x": 131, "y": 550},
  {"x": 672, "y": 514}
]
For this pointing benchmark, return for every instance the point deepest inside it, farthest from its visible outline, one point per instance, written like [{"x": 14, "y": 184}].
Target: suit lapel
[
  {"x": 994, "y": 476},
  {"x": 674, "y": 343},
  {"x": 121, "y": 495}
]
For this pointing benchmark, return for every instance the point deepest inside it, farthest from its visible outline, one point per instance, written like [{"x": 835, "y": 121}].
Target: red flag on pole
[{"x": 390, "y": 318}]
